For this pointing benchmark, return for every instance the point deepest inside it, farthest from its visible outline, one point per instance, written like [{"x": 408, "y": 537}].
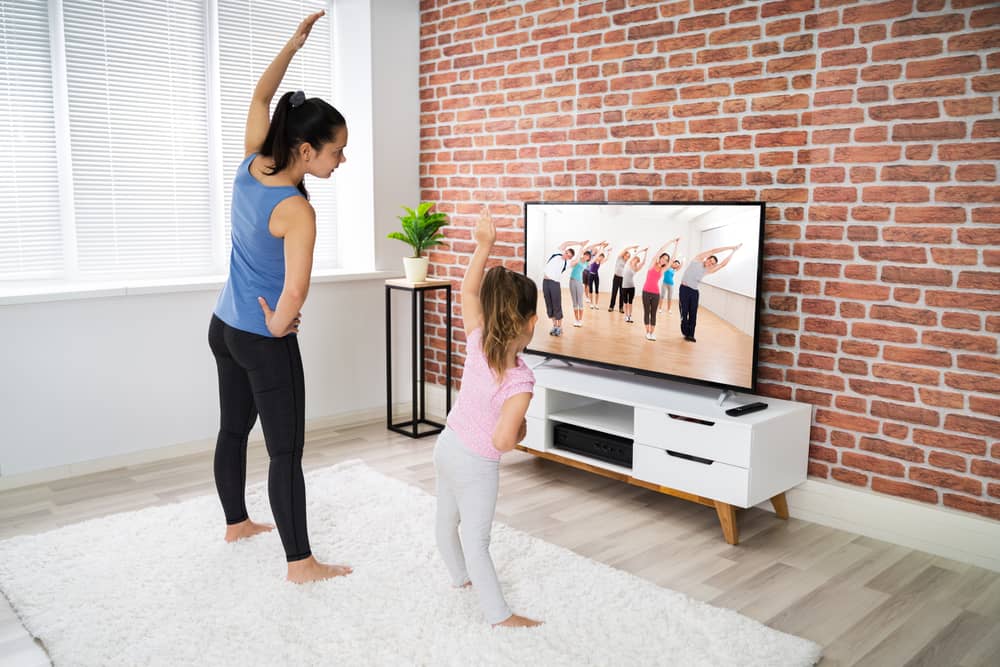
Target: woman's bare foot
[
  {"x": 309, "y": 569},
  {"x": 467, "y": 584},
  {"x": 515, "y": 621},
  {"x": 245, "y": 529}
]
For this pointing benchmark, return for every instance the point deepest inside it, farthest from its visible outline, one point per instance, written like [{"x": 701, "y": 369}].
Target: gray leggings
[
  {"x": 576, "y": 293},
  {"x": 467, "y": 486}
]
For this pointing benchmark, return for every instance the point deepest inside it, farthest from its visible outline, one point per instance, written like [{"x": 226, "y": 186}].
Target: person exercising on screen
[
  {"x": 551, "y": 287},
  {"x": 702, "y": 264}
]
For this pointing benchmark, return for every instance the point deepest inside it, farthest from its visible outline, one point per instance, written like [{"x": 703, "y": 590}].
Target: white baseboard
[
  {"x": 936, "y": 530},
  {"x": 172, "y": 451}
]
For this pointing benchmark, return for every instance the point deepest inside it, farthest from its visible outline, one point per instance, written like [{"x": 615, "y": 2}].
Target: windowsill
[{"x": 62, "y": 291}]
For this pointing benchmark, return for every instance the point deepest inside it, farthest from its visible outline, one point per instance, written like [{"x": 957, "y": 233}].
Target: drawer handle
[
  {"x": 703, "y": 422},
  {"x": 689, "y": 457}
]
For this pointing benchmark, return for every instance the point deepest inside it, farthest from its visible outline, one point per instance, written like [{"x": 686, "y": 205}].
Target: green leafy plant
[{"x": 420, "y": 228}]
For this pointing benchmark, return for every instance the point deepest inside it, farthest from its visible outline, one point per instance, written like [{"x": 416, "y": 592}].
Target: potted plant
[{"x": 420, "y": 231}]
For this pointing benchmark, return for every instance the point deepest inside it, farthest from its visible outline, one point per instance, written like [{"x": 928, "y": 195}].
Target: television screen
[{"x": 667, "y": 289}]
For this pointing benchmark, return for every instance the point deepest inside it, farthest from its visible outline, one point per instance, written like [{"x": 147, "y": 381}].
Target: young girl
[
  {"x": 487, "y": 420},
  {"x": 256, "y": 349}
]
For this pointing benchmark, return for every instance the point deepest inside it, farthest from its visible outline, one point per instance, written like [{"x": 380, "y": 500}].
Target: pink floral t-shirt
[{"x": 476, "y": 411}]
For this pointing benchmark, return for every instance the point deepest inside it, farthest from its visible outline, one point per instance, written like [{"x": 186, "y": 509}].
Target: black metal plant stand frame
[{"x": 418, "y": 292}]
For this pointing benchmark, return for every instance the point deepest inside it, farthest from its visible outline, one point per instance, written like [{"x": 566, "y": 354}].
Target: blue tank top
[
  {"x": 577, "y": 271},
  {"x": 257, "y": 262}
]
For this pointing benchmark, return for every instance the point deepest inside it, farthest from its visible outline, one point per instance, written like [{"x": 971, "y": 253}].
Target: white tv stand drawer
[
  {"x": 752, "y": 458},
  {"x": 711, "y": 439},
  {"x": 714, "y": 479}
]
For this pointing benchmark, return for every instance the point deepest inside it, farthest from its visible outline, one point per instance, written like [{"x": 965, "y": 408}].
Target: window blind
[
  {"x": 138, "y": 126},
  {"x": 30, "y": 226}
]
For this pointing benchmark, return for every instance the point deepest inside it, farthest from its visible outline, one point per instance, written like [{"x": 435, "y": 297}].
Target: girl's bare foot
[
  {"x": 309, "y": 569},
  {"x": 245, "y": 529},
  {"x": 515, "y": 621}
]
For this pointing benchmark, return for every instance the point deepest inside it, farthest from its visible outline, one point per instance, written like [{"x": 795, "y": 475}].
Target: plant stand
[{"x": 417, "y": 292}]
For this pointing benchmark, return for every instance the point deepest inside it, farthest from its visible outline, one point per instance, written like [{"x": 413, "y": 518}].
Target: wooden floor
[
  {"x": 723, "y": 353},
  {"x": 867, "y": 602}
]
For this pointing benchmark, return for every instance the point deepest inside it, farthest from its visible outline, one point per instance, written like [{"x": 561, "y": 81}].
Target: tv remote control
[{"x": 741, "y": 410}]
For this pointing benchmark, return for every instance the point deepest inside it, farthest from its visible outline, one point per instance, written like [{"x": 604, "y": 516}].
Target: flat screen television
[{"x": 706, "y": 321}]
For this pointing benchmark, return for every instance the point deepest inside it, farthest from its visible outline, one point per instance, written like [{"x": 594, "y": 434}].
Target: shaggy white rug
[{"x": 160, "y": 587}]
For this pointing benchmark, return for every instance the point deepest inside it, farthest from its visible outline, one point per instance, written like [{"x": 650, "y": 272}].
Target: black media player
[{"x": 586, "y": 442}]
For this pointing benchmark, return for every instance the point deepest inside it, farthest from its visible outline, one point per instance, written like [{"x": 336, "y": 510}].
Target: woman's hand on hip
[{"x": 274, "y": 327}]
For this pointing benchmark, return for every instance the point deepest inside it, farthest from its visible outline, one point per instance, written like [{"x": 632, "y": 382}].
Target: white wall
[{"x": 92, "y": 378}]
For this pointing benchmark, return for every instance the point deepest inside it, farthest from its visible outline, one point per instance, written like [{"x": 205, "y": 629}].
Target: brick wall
[{"x": 869, "y": 128}]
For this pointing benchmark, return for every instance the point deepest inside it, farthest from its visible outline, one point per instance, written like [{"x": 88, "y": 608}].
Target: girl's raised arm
[
  {"x": 258, "y": 117},
  {"x": 484, "y": 234}
]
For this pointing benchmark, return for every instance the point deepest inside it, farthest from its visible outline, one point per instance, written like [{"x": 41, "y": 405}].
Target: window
[
  {"x": 127, "y": 174},
  {"x": 30, "y": 225}
]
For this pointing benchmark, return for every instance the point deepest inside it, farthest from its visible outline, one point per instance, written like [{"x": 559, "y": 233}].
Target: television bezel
[{"x": 758, "y": 301}]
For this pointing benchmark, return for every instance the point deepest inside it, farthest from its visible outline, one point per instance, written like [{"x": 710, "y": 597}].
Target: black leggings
[
  {"x": 258, "y": 374},
  {"x": 688, "y": 299},
  {"x": 616, "y": 284}
]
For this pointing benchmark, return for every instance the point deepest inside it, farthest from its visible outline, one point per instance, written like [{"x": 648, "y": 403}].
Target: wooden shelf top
[{"x": 403, "y": 282}]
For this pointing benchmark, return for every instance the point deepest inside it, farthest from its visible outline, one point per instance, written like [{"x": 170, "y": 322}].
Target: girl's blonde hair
[{"x": 509, "y": 300}]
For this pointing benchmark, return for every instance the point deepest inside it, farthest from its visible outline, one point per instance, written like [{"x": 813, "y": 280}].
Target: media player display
[{"x": 662, "y": 288}]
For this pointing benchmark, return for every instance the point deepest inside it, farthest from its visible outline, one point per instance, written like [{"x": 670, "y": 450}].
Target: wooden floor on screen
[{"x": 722, "y": 353}]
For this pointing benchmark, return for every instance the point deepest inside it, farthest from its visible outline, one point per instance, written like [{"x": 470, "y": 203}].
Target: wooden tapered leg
[
  {"x": 780, "y": 504},
  {"x": 727, "y": 517}
]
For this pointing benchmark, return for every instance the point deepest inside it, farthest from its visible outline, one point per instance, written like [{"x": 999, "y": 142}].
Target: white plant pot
[{"x": 415, "y": 268}]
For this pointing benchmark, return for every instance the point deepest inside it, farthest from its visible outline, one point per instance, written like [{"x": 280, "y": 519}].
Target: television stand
[{"x": 684, "y": 444}]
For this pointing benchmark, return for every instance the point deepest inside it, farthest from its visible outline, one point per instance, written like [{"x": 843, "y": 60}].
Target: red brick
[
  {"x": 905, "y": 315},
  {"x": 950, "y": 461},
  {"x": 976, "y": 172},
  {"x": 964, "y": 193},
  {"x": 960, "y": 341},
  {"x": 961, "y": 321},
  {"x": 928, "y": 25},
  {"x": 966, "y": 504},
  {"x": 985, "y": 17},
  {"x": 974, "y": 41},
  {"x": 849, "y": 477},
  {"x": 906, "y": 254},
  {"x": 968, "y": 107},
  {"x": 883, "y": 332},
  {"x": 969, "y": 301},
  {"x": 917, "y": 235},
  {"x": 913, "y": 275},
  {"x": 946, "y": 480},
  {"x": 923, "y": 357},
  {"x": 866, "y": 154},
  {"x": 972, "y": 382},
  {"x": 972, "y": 425},
  {"x": 883, "y": 389},
  {"x": 974, "y": 362},
  {"x": 906, "y": 50},
  {"x": 956, "y": 443},
  {"x": 930, "y": 214},
  {"x": 872, "y": 464},
  {"x": 942, "y": 67},
  {"x": 942, "y": 399},
  {"x": 977, "y": 151},
  {"x": 932, "y": 88},
  {"x": 906, "y": 374},
  {"x": 908, "y": 111},
  {"x": 984, "y": 405},
  {"x": 892, "y": 449},
  {"x": 904, "y": 490}
]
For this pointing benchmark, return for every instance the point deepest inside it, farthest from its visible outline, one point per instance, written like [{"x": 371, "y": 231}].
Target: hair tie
[{"x": 297, "y": 98}]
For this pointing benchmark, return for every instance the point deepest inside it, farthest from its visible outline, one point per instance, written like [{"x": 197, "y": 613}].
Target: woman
[
  {"x": 651, "y": 290},
  {"x": 703, "y": 264},
  {"x": 256, "y": 348}
]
